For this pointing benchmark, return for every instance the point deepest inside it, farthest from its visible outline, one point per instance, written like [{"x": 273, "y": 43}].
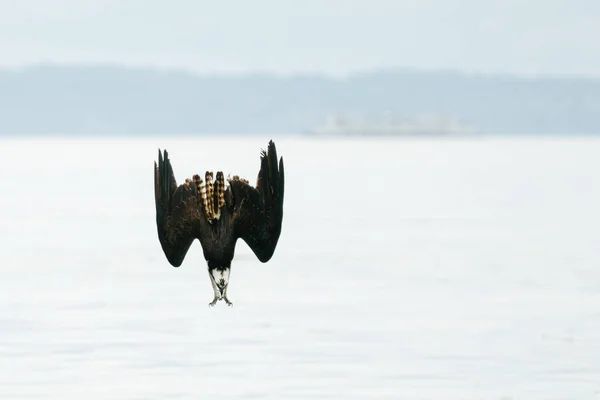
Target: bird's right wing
[
  {"x": 179, "y": 213},
  {"x": 258, "y": 211}
]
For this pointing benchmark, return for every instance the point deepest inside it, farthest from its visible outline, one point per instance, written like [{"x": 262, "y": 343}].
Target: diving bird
[{"x": 218, "y": 214}]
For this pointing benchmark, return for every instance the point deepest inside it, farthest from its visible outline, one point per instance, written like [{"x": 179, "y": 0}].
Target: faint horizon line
[{"x": 293, "y": 74}]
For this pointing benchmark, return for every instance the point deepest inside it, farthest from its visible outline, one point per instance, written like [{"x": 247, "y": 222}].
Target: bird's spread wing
[
  {"x": 179, "y": 214},
  {"x": 258, "y": 211}
]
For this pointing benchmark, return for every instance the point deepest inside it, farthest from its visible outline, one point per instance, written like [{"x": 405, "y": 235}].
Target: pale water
[{"x": 406, "y": 269}]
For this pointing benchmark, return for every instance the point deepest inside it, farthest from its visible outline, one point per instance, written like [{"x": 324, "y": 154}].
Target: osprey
[{"x": 218, "y": 215}]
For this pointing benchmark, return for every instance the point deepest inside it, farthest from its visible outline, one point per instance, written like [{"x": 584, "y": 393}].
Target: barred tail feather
[
  {"x": 209, "y": 206},
  {"x": 221, "y": 188},
  {"x": 219, "y": 194},
  {"x": 198, "y": 182}
]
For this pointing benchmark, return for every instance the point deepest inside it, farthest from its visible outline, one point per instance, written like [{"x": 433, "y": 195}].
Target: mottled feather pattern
[
  {"x": 209, "y": 204},
  {"x": 237, "y": 178},
  {"x": 219, "y": 187},
  {"x": 202, "y": 193},
  {"x": 211, "y": 195},
  {"x": 198, "y": 182}
]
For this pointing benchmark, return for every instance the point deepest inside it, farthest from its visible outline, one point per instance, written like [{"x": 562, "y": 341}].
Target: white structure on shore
[{"x": 391, "y": 124}]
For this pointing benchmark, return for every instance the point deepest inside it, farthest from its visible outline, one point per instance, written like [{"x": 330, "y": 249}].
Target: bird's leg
[
  {"x": 230, "y": 304},
  {"x": 215, "y": 290}
]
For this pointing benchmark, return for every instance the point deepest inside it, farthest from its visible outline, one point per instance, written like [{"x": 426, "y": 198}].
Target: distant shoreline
[{"x": 105, "y": 100}]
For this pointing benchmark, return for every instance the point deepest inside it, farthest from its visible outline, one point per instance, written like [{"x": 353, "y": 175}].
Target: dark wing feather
[
  {"x": 258, "y": 212},
  {"x": 178, "y": 212}
]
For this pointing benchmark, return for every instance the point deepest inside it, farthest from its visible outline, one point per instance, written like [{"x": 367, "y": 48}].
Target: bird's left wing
[{"x": 179, "y": 214}]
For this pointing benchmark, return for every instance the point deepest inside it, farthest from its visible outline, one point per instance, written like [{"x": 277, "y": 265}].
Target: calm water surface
[{"x": 438, "y": 269}]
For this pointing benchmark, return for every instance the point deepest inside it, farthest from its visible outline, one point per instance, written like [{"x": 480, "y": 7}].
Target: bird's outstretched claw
[
  {"x": 230, "y": 304},
  {"x": 212, "y": 303}
]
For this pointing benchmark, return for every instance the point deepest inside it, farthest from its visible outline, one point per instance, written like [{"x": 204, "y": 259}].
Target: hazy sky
[{"x": 335, "y": 37}]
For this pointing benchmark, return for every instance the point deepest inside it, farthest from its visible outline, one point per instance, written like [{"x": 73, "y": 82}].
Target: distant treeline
[{"x": 113, "y": 100}]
